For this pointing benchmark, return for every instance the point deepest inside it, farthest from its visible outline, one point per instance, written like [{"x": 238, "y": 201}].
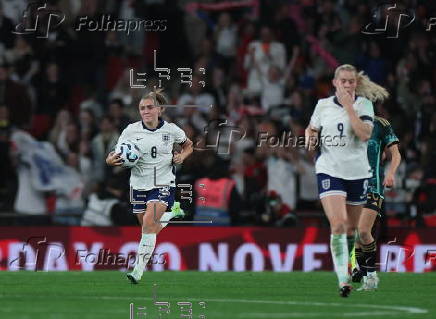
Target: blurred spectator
[
  {"x": 15, "y": 96},
  {"x": 277, "y": 213},
  {"x": 8, "y": 181},
  {"x": 195, "y": 95},
  {"x": 52, "y": 94},
  {"x": 219, "y": 89},
  {"x": 88, "y": 125},
  {"x": 115, "y": 61},
  {"x": 255, "y": 179},
  {"x": 105, "y": 207},
  {"x": 246, "y": 37},
  {"x": 25, "y": 63},
  {"x": 69, "y": 140},
  {"x": 28, "y": 200},
  {"x": 225, "y": 34},
  {"x": 59, "y": 129},
  {"x": 217, "y": 198},
  {"x": 116, "y": 111},
  {"x": 6, "y": 28},
  {"x": 265, "y": 53},
  {"x": 285, "y": 27},
  {"x": 373, "y": 63},
  {"x": 69, "y": 206},
  {"x": 273, "y": 86},
  {"x": 101, "y": 145},
  {"x": 91, "y": 102}
]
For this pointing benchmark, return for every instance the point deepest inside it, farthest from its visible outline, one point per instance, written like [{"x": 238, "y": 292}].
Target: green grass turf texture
[{"x": 108, "y": 294}]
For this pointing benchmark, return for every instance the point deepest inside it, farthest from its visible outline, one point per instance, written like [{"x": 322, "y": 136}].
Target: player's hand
[
  {"x": 345, "y": 98},
  {"x": 114, "y": 159},
  {"x": 178, "y": 158},
  {"x": 310, "y": 138},
  {"x": 389, "y": 181}
]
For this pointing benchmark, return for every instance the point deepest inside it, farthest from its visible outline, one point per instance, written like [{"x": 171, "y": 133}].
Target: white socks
[
  {"x": 166, "y": 217},
  {"x": 339, "y": 250},
  {"x": 145, "y": 250}
]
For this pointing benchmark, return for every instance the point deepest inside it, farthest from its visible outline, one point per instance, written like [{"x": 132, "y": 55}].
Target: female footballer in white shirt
[
  {"x": 152, "y": 180},
  {"x": 342, "y": 124}
]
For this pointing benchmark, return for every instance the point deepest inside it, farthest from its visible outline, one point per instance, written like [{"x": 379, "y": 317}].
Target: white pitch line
[
  {"x": 314, "y": 314},
  {"x": 402, "y": 309},
  {"x": 310, "y": 314}
]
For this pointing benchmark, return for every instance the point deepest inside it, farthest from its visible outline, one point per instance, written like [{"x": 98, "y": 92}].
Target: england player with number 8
[
  {"x": 342, "y": 167},
  {"x": 152, "y": 180}
]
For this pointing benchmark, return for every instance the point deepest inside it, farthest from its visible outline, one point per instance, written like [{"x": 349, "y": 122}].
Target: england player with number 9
[
  {"x": 342, "y": 125},
  {"x": 152, "y": 180}
]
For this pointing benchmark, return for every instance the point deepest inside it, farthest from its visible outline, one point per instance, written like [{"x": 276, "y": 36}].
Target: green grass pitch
[{"x": 108, "y": 294}]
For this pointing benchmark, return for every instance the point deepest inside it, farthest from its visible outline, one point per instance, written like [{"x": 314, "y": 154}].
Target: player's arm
[
  {"x": 187, "y": 149},
  {"x": 312, "y": 130},
  {"x": 360, "y": 128},
  {"x": 395, "y": 162}
]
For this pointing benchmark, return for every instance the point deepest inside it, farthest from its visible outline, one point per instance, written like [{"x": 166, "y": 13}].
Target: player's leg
[
  {"x": 176, "y": 211},
  {"x": 157, "y": 201},
  {"x": 356, "y": 198},
  {"x": 358, "y": 262},
  {"x": 369, "y": 247},
  {"x": 332, "y": 195},
  {"x": 150, "y": 228},
  {"x": 334, "y": 208},
  {"x": 353, "y": 215},
  {"x": 168, "y": 197}
]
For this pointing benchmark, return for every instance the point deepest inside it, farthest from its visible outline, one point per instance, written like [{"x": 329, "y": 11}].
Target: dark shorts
[
  {"x": 140, "y": 198},
  {"x": 353, "y": 190},
  {"x": 374, "y": 202}
]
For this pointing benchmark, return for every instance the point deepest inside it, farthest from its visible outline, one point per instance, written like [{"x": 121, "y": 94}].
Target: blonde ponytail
[
  {"x": 372, "y": 91},
  {"x": 365, "y": 87}
]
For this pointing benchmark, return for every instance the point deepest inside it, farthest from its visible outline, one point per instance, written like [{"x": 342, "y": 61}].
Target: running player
[
  {"x": 152, "y": 180},
  {"x": 344, "y": 123},
  {"x": 383, "y": 139}
]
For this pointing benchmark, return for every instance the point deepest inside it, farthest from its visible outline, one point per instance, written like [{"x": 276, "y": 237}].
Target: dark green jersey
[{"x": 382, "y": 136}]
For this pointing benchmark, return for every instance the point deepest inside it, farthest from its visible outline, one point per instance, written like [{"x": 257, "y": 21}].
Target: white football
[{"x": 129, "y": 153}]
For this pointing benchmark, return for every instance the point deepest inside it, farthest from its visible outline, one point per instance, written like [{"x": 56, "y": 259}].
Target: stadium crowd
[{"x": 261, "y": 64}]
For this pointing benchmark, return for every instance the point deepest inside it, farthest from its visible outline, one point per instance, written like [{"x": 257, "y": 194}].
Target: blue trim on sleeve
[{"x": 366, "y": 118}]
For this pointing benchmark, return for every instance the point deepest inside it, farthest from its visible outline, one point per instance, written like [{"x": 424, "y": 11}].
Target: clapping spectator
[{"x": 265, "y": 53}]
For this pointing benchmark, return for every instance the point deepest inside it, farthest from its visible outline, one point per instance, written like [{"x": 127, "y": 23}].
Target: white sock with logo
[{"x": 145, "y": 250}]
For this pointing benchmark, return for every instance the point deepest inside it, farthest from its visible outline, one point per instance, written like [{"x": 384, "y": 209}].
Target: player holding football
[
  {"x": 152, "y": 180},
  {"x": 383, "y": 139},
  {"x": 344, "y": 122}
]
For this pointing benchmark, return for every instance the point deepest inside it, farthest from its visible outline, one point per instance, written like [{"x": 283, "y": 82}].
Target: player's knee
[
  {"x": 149, "y": 225},
  {"x": 339, "y": 227},
  {"x": 364, "y": 235},
  {"x": 351, "y": 230}
]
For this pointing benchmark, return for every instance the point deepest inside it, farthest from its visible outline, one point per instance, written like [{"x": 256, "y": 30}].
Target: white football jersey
[
  {"x": 343, "y": 154},
  {"x": 155, "y": 167}
]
